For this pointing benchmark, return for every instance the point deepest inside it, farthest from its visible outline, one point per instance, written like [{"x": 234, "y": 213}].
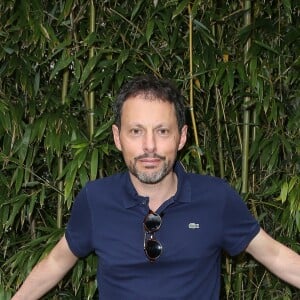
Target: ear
[
  {"x": 116, "y": 134},
  {"x": 183, "y": 137}
]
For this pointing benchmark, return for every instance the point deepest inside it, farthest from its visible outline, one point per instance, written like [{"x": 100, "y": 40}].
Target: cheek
[{"x": 129, "y": 148}]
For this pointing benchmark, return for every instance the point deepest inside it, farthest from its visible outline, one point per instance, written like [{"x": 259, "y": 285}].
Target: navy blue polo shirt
[{"x": 203, "y": 218}]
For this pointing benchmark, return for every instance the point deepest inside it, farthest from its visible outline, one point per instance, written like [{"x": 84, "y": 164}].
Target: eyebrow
[{"x": 142, "y": 126}]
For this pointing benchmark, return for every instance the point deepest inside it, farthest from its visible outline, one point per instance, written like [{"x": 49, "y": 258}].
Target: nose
[{"x": 149, "y": 142}]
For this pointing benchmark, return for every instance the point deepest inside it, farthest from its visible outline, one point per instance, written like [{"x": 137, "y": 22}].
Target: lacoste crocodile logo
[{"x": 194, "y": 226}]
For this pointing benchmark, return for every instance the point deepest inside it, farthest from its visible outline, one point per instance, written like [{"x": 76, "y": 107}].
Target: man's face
[{"x": 149, "y": 138}]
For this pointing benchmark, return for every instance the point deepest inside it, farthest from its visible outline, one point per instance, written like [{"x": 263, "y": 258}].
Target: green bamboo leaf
[
  {"x": 4, "y": 216},
  {"x": 204, "y": 32},
  {"x": 80, "y": 145},
  {"x": 105, "y": 86},
  {"x": 5, "y": 121},
  {"x": 230, "y": 77},
  {"x": 298, "y": 220},
  {"x": 274, "y": 111},
  {"x": 180, "y": 8},
  {"x": 272, "y": 163},
  {"x": 45, "y": 32},
  {"x": 99, "y": 78},
  {"x": 288, "y": 9},
  {"x": 102, "y": 130},
  {"x": 265, "y": 46},
  {"x": 161, "y": 25},
  {"x": 51, "y": 140},
  {"x": 136, "y": 9},
  {"x": 94, "y": 164},
  {"x": 53, "y": 38},
  {"x": 80, "y": 156},
  {"x": 38, "y": 129},
  {"x": 284, "y": 192},
  {"x": 36, "y": 85},
  {"x": 23, "y": 147},
  {"x": 196, "y": 5},
  {"x": 225, "y": 89},
  {"x": 287, "y": 145},
  {"x": 90, "y": 39},
  {"x": 220, "y": 73},
  {"x": 266, "y": 104},
  {"x": 77, "y": 69},
  {"x": 212, "y": 79},
  {"x": 42, "y": 196},
  {"x": 19, "y": 202},
  {"x": 32, "y": 203},
  {"x": 253, "y": 71},
  {"x": 122, "y": 57},
  {"x": 292, "y": 183},
  {"x": 59, "y": 47},
  {"x": 36, "y": 242},
  {"x": 8, "y": 50},
  {"x": 18, "y": 178},
  {"x": 149, "y": 29},
  {"x": 105, "y": 148},
  {"x": 67, "y": 9},
  {"x": 3, "y": 69},
  {"x": 4, "y": 294},
  {"x": 240, "y": 67},
  {"x": 200, "y": 26},
  {"x": 3, "y": 179},
  {"x": 89, "y": 68},
  {"x": 83, "y": 176},
  {"x": 63, "y": 63},
  {"x": 260, "y": 91},
  {"x": 77, "y": 273},
  {"x": 291, "y": 36},
  {"x": 69, "y": 182}
]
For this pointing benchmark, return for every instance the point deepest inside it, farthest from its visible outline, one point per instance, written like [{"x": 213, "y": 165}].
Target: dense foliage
[{"x": 62, "y": 63}]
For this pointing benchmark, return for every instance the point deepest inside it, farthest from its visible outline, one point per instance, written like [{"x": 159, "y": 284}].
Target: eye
[
  {"x": 136, "y": 131},
  {"x": 163, "y": 131}
]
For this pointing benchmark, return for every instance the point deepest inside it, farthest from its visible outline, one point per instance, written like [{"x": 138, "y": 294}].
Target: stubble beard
[{"x": 151, "y": 177}]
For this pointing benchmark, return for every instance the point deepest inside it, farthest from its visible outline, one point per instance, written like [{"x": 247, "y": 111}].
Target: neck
[{"x": 159, "y": 192}]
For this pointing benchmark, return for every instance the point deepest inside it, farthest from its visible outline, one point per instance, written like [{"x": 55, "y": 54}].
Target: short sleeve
[
  {"x": 79, "y": 227},
  {"x": 240, "y": 227}
]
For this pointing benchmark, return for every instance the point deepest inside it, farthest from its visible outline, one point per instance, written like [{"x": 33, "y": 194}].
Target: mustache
[{"x": 147, "y": 155}]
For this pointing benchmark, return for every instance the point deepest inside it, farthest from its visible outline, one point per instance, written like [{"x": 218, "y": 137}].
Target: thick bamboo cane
[{"x": 91, "y": 94}]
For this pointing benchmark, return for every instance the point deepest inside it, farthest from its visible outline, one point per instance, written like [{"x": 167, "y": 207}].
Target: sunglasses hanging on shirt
[{"x": 152, "y": 247}]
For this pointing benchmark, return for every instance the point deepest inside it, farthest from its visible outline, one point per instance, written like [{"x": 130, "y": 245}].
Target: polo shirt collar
[{"x": 183, "y": 194}]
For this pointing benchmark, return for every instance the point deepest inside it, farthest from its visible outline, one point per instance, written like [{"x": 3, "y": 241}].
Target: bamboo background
[{"x": 62, "y": 63}]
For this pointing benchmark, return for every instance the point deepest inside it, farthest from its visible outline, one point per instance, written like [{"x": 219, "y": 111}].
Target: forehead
[{"x": 145, "y": 108}]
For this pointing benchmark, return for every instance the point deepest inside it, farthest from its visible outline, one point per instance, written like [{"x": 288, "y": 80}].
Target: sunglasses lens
[
  {"x": 153, "y": 249},
  {"x": 152, "y": 222}
]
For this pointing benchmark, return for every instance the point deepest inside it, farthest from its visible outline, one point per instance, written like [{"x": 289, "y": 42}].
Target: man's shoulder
[
  {"x": 210, "y": 186},
  {"x": 206, "y": 179},
  {"x": 106, "y": 182}
]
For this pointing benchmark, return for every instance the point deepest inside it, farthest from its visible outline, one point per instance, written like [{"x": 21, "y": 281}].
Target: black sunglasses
[{"x": 152, "y": 247}]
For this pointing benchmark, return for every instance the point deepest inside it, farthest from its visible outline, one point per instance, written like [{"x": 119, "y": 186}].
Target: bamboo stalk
[
  {"x": 228, "y": 261},
  {"x": 218, "y": 98},
  {"x": 60, "y": 163},
  {"x": 91, "y": 94},
  {"x": 191, "y": 107},
  {"x": 246, "y": 116}
]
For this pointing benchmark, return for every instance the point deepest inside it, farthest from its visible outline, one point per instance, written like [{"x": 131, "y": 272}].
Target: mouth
[{"x": 150, "y": 161}]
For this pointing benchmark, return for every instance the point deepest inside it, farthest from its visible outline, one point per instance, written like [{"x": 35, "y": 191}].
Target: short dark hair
[{"x": 152, "y": 88}]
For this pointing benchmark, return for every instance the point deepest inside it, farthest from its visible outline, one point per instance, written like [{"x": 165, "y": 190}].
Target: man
[{"x": 158, "y": 231}]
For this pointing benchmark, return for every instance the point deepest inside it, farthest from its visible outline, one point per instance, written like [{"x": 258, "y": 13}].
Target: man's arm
[
  {"x": 48, "y": 272},
  {"x": 276, "y": 257}
]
